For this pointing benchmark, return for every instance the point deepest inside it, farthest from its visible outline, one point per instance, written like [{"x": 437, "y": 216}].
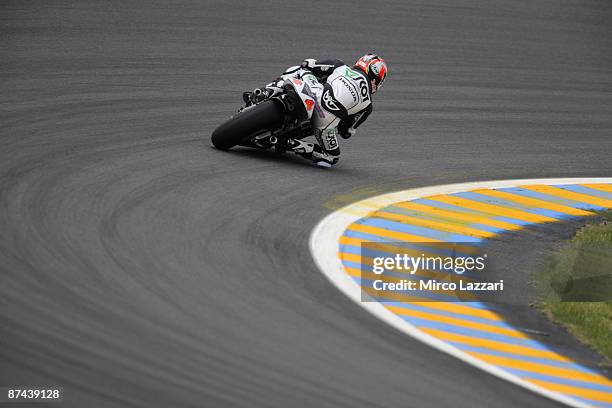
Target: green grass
[{"x": 576, "y": 285}]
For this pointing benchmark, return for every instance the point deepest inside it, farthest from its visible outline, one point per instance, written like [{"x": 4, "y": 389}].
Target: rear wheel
[{"x": 267, "y": 115}]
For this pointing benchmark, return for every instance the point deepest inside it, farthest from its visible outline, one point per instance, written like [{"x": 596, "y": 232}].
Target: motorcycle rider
[{"x": 344, "y": 96}]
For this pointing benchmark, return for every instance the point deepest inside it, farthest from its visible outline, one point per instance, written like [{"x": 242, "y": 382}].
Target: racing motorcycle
[{"x": 271, "y": 117}]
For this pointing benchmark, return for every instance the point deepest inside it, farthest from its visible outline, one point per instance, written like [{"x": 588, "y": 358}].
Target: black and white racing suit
[{"x": 344, "y": 101}]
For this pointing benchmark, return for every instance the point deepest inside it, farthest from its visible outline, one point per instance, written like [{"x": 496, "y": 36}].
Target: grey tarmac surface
[{"x": 140, "y": 267}]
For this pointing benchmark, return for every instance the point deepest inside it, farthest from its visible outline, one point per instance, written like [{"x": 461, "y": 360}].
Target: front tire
[{"x": 266, "y": 115}]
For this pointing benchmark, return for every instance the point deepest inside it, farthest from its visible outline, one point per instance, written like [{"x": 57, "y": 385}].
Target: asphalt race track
[{"x": 140, "y": 267}]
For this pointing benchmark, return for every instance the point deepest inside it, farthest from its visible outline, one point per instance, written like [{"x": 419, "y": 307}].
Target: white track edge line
[{"x": 324, "y": 242}]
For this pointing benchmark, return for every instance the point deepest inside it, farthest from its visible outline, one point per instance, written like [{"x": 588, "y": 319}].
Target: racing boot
[
  {"x": 311, "y": 151},
  {"x": 322, "y": 158}
]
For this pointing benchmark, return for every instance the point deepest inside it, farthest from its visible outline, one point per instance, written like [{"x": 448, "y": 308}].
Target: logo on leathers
[
  {"x": 363, "y": 89},
  {"x": 350, "y": 87},
  {"x": 332, "y": 141},
  {"x": 363, "y": 86},
  {"x": 329, "y": 101}
]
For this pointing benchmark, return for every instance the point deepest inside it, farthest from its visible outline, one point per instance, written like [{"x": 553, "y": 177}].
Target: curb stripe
[
  {"x": 559, "y": 192},
  {"x": 576, "y": 188},
  {"x": 542, "y": 360},
  {"x": 455, "y": 216},
  {"x": 423, "y": 306},
  {"x": 553, "y": 199},
  {"x": 601, "y": 396},
  {"x": 458, "y": 329},
  {"x": 439, "y": 236},
  {"x": 518, "y": 223},
  {"x": 385, "y": 233},
  {"x": 534, "y": 202},
  {"x": 439, "y": 226},
  {"x": 600, "y": 187},
  {"x": 561, "y": 381},
  {"x": 442, "y": 318},
  {"x": 481, "y": 198},
  {"x": 495, "y": 210},
  {"x": 496, "y": 345},
  {"x": 447, "y": 221},
  {"x": 543, "y": 369}
]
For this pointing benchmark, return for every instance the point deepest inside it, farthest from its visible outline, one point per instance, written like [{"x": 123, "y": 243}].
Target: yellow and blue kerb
[{"x": 474, "y": 327}]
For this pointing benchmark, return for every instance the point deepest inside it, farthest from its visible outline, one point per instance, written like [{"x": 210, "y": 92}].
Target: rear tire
[{"x": 267, "y": 115}]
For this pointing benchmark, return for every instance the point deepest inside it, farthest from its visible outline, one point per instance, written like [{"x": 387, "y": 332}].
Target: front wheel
[{"x": 268, "y": 115}]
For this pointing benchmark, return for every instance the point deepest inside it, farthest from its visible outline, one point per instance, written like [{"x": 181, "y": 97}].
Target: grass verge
[{"x": 576, "y": 284}]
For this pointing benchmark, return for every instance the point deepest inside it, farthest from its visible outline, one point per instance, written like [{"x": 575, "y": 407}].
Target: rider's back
[{"x": 349, "y": 88}]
